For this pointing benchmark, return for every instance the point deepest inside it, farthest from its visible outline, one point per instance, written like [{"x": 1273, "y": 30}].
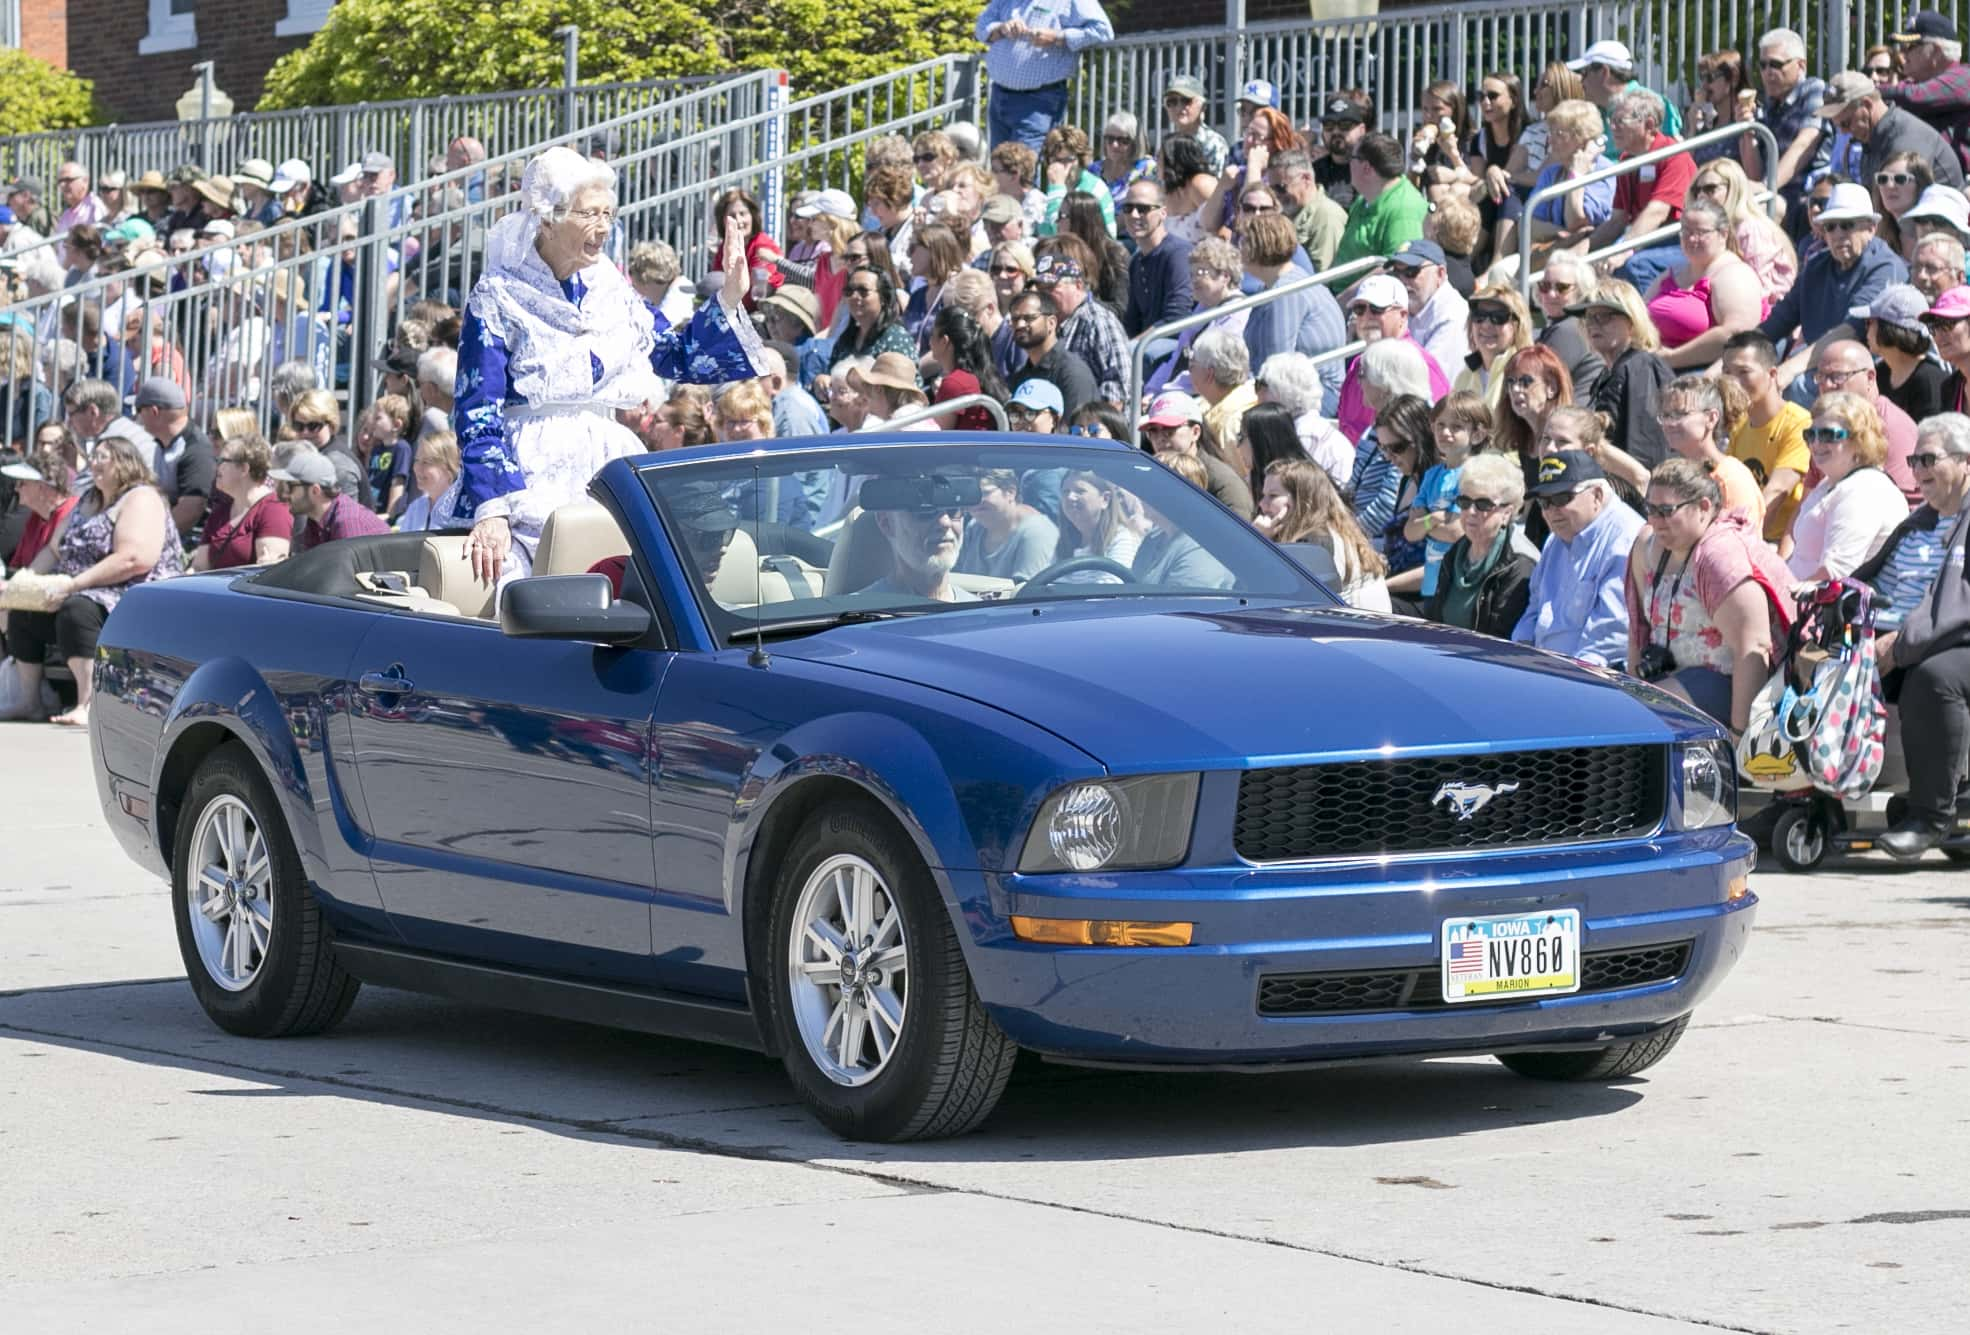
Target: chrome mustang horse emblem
[{"x": 1467, "y": 799}]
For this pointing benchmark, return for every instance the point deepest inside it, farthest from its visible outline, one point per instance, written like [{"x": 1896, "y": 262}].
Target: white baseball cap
[
  {"x": 1383, "y": 291},
  {"x": 348, "y": 174},
  {"x": 289, "y": 174},
  {"x": 1614, "y": 55}
]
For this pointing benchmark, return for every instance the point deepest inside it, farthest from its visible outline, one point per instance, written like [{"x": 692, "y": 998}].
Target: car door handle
[{"x": 392, "y": 682}]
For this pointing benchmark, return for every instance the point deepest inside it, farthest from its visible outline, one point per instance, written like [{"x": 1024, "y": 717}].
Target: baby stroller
[{"x": 1846, "y": 801}]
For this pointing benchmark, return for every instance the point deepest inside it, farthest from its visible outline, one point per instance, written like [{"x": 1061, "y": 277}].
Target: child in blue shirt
[{"x": 1462, "y": 426}]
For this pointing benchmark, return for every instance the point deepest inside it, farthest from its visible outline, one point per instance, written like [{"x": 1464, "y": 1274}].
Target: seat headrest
[{"x": 575, "y": 537}]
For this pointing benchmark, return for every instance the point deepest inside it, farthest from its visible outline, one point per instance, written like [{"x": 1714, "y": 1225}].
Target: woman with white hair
[
  {"x": 1291, "y": 380},
  {"x": 554, "y": 341},
  {"x": 1390, "y": 368}
]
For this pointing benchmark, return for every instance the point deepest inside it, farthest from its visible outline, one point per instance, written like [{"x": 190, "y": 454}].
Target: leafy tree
[
  {"x": 35, "y": 95},
  {"x": 375, "y": 50}
]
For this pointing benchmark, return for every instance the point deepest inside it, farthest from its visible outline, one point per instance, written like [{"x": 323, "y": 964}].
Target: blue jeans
[
  {"x": 1024, "y": 116},
  {"x": 1645, "y": 266}
]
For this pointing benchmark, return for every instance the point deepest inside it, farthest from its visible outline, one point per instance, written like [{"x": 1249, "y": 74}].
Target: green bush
[
  {"x": 35, "y": 95},
  {"x": 376, "y": 50}
]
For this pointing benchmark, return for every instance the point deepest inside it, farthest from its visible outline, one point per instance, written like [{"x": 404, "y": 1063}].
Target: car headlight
[
  {"x": 1709, "y": 779},
  {"x": 1113, "y": 825}
]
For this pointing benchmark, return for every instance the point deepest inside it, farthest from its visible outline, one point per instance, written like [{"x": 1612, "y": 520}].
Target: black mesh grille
[
  {"x": 1399, "y": 806},
  {"x": 1422, "y": 989}
]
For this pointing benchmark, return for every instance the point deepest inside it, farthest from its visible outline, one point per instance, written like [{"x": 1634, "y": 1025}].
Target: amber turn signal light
[
  {"x": 1087, "y": 932},
  {"x": 1740, "y": 887}
]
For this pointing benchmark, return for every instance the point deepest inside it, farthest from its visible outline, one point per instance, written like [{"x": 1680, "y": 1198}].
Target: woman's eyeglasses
[
  {"x": 1814, "y": 203},
  {"x": 1396, "y": 445},
  {"x": 1557, "y": 289},
  {"x": 1006, "y": 271},
  {"x": 300, "y": 425},
  {"x": 861, "y": 290},
  {"x": 1122, "y": 139},
  {"x": 1492, "y": 94},
  {"x": 1885, "y": 179},
  {"x": 1879, "y": 72},
  {"x": 1825, "y": 435},
  {"x": 922, "y": 158},
  {"x": 1483, "y": 505},
  {"x": 1493, "y": 316},
  {"x": 1095, "y": 430},
  {"x": 1926, "y": 459},
  {"x": 1707, "y": 188},
  {"x": 1522, "y": 381},
  {"x": 1655, "y": 511}
]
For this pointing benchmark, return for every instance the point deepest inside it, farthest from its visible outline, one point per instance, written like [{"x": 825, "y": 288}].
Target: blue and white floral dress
[{"x": 543, "y": 367}]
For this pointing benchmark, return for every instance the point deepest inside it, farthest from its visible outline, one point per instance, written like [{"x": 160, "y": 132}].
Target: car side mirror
[{"x": 570, "y": 607}]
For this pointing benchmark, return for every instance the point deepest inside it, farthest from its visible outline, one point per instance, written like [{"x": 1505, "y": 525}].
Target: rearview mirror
[
  {"x": 570, "y": 607},
  {"x": 936, "y": 491}
]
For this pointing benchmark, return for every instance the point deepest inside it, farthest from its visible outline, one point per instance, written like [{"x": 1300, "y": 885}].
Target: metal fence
[
  {"x": 412, "y": 131},
  {"x": 331, "y": 288},
  {"x": 1392, "y": 56}
]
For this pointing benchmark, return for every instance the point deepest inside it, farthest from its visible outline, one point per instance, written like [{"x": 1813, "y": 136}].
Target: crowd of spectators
[{"x": 1717, "y": 398}]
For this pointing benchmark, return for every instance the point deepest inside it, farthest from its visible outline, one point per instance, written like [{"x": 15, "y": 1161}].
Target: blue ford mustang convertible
[{"x": 893, "y": 757}]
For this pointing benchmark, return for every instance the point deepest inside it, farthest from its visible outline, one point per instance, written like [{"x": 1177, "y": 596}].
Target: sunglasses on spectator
[
  {"x": 1665, "y": 511},
  {"x": 1492, "y": 315},
  {"x": 1926, "y": 459},
  {"x": 1846, "y": 225},
  {"x": 1817, "y": 202},
  {"x": 1247, "y": 206},
  {"x": 1491, "y": 94},
  {"x": 238, "y": 460},
  {"x": 300, "y": 425},
  {"x": 1140, "y": 209},
  {"x": 924, "y": 157},
  {"x": 1880, "y": 71},
  {"x": 1894, "y": 178},
  {"x": 1774, "y": 66},
  {"x": 1522, "y": 381},
  {"x": 1396, "y": 445},
  {"x": 1117, "y": 139},
  {"x": 862, "y": 290},
  {"x": 1549, "y": 285},
  {"x": 1715, "y": 188},
  {"x": 1361, "y": 308},
  {"x": 1096, "y": 430},
  {"x": 1176, "y": 100},
  {"x": 1559, "y": 500},
  {"x": 1825, "y": 435},
  {"x": 1481, "y": 504},
  {"x": 1006, "y": 271}
]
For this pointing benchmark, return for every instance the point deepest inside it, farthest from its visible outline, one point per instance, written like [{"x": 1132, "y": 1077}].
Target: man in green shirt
[
  {"x": 1317, "y": 220},
  {"x": 1387, "y": 211}
]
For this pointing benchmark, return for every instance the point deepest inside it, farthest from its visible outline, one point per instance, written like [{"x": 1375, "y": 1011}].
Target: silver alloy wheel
[
  {"x": 1805, "y": 842},
  {"x": 230, "y": 902},
  {"x": 847, "y": 966}
]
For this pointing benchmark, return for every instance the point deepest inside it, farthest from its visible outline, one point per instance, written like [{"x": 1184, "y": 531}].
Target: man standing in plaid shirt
[{"x": 1937, "y": 88}]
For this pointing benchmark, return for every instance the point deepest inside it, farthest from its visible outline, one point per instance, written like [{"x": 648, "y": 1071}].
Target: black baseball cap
[
  {"x": 1926, "y": 25},
  {"x": 1565, "y": 471},
  {"x": 1344, "y": 109}
]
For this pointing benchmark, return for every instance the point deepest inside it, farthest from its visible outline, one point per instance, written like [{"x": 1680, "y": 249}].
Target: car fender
[{"x": 230, "y": 693}]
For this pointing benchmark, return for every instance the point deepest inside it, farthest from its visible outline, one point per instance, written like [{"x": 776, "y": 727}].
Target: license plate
[{"x": 1523, "y": 955}]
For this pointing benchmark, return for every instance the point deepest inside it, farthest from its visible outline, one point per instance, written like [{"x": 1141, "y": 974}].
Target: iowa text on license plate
[{"x": 1520, "y": 955}]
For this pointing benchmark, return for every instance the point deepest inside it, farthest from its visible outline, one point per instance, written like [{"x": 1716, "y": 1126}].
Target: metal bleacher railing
[
  {"x": 1393, "y": 55},
  {"x": 329, "y": 288},
  {"x": 412, "y": 131}
]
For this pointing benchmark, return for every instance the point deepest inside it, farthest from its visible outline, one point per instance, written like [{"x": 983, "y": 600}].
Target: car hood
[{"x": 1215, "y": 686}]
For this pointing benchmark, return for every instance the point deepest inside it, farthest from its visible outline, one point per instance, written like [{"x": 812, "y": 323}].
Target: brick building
[{"x": 139, "y": 53}]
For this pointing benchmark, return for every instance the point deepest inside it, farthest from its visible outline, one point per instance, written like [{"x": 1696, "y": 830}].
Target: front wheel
[
  {"x": 1799, "y": 840},
  {"x": 881, "y": 1031},
  {"x": 1608, "y": 1063},
  {"x": 249, "y": 929}
]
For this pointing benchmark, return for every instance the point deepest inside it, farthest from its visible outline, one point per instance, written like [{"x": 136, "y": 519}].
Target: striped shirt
[{"x": 1910, "y": 573}]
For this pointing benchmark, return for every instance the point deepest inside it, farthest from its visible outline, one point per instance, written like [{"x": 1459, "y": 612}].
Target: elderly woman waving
[{"x": 555, "y": 340}]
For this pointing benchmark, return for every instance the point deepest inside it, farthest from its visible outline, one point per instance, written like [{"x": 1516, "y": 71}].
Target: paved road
[{"x": 1802, "y": 1163}]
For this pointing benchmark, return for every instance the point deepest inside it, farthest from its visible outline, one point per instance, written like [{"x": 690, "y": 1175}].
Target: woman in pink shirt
[{"x": 1711, "y": 295}]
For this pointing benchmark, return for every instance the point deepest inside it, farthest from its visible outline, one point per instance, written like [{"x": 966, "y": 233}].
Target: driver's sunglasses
[{"x": 1483, "y": 505}]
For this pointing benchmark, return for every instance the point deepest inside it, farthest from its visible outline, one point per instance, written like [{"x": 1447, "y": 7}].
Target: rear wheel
[
  {"x": 1609, "y": 1063},
  {"x": 249, "y": 929},
  {"x": 881, "y": 1031}
]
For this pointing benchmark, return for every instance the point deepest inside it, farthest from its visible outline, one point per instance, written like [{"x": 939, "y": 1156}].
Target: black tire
[
  {"x": 1609, "y": 1063},
  {"x": 1800, "y": 839},
  {"x": 950, "y": 1062},
  {"x": 298, "y": 987},
  {"x": 1957, "y": 854}
]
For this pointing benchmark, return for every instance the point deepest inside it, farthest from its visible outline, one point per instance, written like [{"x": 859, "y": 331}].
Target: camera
[{"x": 1656, "y": 662}]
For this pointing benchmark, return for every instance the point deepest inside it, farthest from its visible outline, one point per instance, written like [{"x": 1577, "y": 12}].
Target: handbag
[
  {"x": 1766, "y": 758},
  {"x": 1839, "y": 727},
  {"x": 26, "y": 591}
]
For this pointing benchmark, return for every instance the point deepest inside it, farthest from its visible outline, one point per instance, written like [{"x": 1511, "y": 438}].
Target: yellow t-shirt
[{"x": 1778, "y": 444}]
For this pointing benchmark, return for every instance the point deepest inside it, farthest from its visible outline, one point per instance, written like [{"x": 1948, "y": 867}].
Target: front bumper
[{"x": 1198, "y": 1005}]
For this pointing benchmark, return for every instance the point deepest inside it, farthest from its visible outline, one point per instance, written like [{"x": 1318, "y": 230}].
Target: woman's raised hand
[{"x": 738, "y": 271}]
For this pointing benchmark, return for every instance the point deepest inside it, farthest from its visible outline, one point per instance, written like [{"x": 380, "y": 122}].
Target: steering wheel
[{"x": 1073, "y": 563}]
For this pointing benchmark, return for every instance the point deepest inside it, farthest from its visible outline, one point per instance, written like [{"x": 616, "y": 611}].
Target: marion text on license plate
[{"x": 1523, "y": 955}]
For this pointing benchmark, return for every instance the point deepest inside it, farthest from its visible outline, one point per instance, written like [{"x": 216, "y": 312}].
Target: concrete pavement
[{"x": 1798, "y": 1164}]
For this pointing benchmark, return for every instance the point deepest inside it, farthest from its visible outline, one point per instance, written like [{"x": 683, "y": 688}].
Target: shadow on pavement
[{"x": 400, "y": 1048}]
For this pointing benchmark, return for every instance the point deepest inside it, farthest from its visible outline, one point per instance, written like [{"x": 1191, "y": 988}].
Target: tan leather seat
[
  {"x": 446, "y": 576},
  {"x": 576, "y": 537},
  {"x": 861, "y": 556}
]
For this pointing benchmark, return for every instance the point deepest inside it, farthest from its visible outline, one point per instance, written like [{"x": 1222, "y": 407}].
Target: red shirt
[
  {"x": 233, "y": 544},
  {"x": 956, "y": 385},
  {"x": 37, "y": 531},
  {"x": 1667, "y": 181}
]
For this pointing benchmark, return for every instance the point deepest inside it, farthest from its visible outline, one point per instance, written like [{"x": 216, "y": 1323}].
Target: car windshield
[{"x": 804, "y": 540}]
